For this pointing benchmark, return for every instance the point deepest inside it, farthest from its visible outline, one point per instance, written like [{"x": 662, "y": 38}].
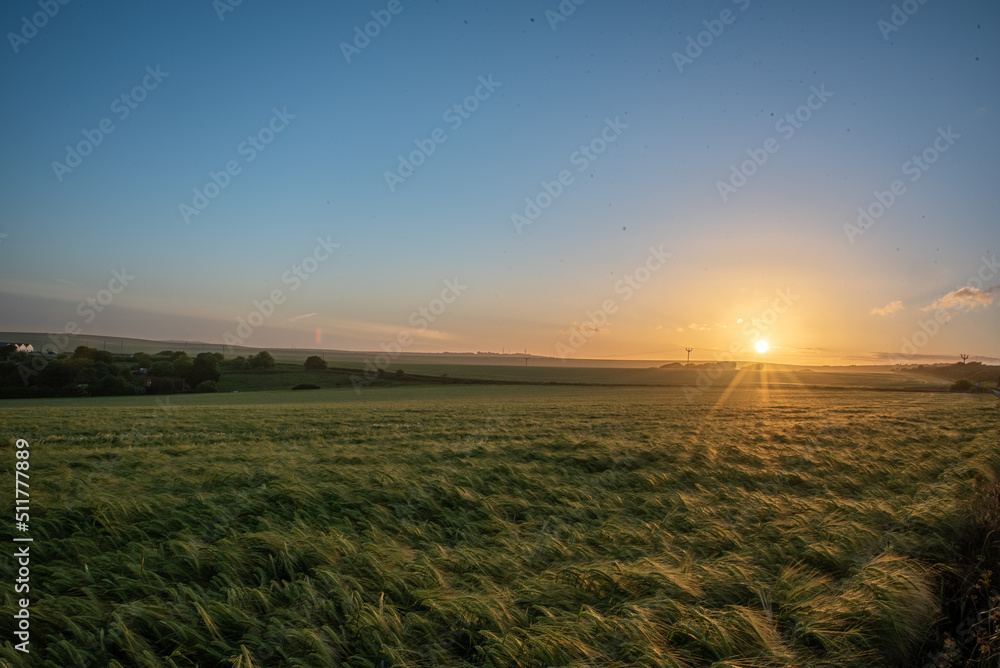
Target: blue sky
[{"x": 553, "y": 90}]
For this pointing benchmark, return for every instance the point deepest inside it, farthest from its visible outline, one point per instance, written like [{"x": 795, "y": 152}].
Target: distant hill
[
  {"x": 124, "y": 345},
  {"x": 729, "y": 366},
  {"x": 974, "y": 371}
]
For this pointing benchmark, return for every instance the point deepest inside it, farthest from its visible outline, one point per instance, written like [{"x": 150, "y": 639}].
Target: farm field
[
  {"x": 691, "y": 377},
  {"x": 504, "y": 526},
  {"x": 285, "y": 377}
]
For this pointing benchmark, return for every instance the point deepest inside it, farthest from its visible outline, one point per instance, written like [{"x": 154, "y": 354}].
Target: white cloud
[
  {"x": 966, "y": 298},
  {"x": 888, "y": 309}
]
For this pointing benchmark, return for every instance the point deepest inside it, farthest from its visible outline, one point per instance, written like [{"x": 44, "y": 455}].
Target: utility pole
[{"x": 689, "y": 355}]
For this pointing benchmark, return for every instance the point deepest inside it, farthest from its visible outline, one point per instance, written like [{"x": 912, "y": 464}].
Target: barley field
[{"x": 508, "y": 526}]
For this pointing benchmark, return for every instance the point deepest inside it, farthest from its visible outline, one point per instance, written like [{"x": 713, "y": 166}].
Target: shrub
[
  {"x": 306, "y": 386},
  {"x": 112, "y": 386},
  {"x": 156, "y": 385},
  {"x": 963, "y": 385},
  {"x": 262, "y": 360},
  {"x": 315, "y": 363},
  {"x": 206, "y": 386},
  {"x": 238, "y": 364}
]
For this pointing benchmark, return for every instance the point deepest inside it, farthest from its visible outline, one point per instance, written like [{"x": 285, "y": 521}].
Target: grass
[{"x": 501, "y": 526}]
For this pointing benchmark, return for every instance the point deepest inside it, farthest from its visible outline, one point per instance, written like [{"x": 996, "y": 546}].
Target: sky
[{"x": 579, "y": 179}]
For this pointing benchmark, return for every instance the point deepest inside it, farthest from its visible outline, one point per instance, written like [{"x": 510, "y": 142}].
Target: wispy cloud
[
  {"x": 888, "y": 309},
  {"x": 966, "y": 298},
  {"x": 380, "y": 331},
  {"x": 591, "y": 327},
  {"x": 301, "y": 317}
]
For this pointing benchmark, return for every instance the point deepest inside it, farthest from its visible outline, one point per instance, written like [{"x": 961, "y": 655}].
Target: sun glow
[{"x": 760, "y": 346}]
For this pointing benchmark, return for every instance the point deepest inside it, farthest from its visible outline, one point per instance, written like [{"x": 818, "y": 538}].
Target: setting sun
[{"x": 761, "y": 346}]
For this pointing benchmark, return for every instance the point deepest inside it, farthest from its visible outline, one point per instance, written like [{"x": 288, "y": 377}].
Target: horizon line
[{"x": 922, "y": 359}]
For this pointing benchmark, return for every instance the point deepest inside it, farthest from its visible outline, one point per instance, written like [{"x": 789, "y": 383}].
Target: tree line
[{"x": 92, "y": 372}]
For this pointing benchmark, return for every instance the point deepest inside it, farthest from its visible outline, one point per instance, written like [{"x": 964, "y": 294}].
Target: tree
[
  {"x": 182, "y": 366},
  {"x": 204, "y": 368},
  {"x": 262, "y": 360},
  {"x": 315, "y": 363},
  {"x": 142, "y": 359},
  {"x": 206, "y": 386},
  {"x": 84, "y": 353},
  {"x": 57, "y": 374},
  {"x": 93, "y": 373},
  {"x": 103, "y": 356},
  {"x": 161, "y": 369}
]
